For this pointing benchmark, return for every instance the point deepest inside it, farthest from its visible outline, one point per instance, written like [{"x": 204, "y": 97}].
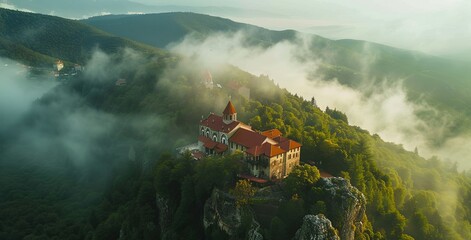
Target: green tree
[
  {"x": 243, "y": 191},
  {"x": 301, "y": 179},
  {"x": 292, "y": 213},
  {"x": 278, "y": 229}
]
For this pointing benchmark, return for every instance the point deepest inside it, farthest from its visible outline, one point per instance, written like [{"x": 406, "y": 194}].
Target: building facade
[{"x": 268, "y": 154}]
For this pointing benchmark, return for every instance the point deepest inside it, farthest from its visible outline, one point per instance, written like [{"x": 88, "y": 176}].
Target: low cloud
[
  {"x": 44, "y": 120},
  {"x": 383, "y": 109},
  {"x": 13, "y": 7},
  {"x": 18, "y": 90},
  {"x": 105, "y": 67}
]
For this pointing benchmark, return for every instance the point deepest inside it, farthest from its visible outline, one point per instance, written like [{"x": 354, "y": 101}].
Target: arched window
[
  {"x": 207, "y": 132},
  {"x": 224, "y": 139},
  {"x": 202, "y": 131},
  {"x": 215, "y": 137}
]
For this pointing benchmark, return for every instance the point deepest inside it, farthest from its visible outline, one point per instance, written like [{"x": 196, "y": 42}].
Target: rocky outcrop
[
  {"x": 346, "y": 206},
  {"x": 316, "y": 227},
  {"x": 165, "y": 215},
  {"x": 221, "y": 211},
  {"x": 253, "y": 233}
]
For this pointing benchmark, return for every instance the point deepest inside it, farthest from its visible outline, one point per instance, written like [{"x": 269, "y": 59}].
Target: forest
[
  {"x": 52, "y": 196},
  {"x": 88, "y": 158}
]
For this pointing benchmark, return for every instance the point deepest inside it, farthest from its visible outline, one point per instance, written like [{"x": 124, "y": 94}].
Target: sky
[{"x": 431, "y": 26}]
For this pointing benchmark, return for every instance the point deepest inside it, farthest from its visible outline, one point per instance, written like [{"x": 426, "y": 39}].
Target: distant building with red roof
[{"x": 268, "y": 154}]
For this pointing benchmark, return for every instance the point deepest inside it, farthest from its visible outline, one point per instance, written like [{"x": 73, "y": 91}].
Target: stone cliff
[
  {"x": 316, "y": 227},
  {"x": 220, "y": 211},
  {"x": 344, "y": 211},
  {"x": 165, "y": 216},
  {"x": 346, "y": 206}
]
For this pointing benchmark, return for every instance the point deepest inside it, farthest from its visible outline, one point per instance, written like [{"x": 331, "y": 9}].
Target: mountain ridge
[
  {"x": 39, "y": 39},
  {"x": 93, "y": 138},
  {"x": 437, "y": 82},
  {"x": 177, "y": 24}
]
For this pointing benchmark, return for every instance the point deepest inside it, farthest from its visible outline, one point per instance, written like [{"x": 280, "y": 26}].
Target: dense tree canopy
[{"x": 407, "y": 196}]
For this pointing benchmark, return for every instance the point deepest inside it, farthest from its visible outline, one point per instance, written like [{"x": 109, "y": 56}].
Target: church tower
[{"x": 229, "y": 113}]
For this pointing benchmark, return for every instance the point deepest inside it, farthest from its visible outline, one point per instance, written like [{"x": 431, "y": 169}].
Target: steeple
[{"x": 229, "y": 113}]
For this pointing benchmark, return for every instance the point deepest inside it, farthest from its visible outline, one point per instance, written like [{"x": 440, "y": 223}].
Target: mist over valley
[{"x": 93, "y": 110}]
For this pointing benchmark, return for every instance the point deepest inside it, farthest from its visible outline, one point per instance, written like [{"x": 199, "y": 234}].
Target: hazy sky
[{"x": 432, "y": 26}]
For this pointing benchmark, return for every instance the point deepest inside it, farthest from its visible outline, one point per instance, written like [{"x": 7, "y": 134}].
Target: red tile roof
[
  {"x": 220, "y": 148},
  {"x": 273, "y": 133},
  {"x": 197, "y": 154},
  {"x": 210, "y": 144},
  {"x": 289, "y": 144},
  {"x": 269, "y": 143},
  {"x": 247, "y": 138},
  {"x": 266, "y": 149},
  {"x": 230, "y": 109},
  {"x": 252, "y": 178},
  {"x": 216, "y": 123}
]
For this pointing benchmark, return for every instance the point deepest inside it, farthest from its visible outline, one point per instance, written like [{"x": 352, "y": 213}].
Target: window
[
  {"x": 207, "y": 132},
  {"x": 202, "y": 131},
  {"x": 223, "y": 139}
]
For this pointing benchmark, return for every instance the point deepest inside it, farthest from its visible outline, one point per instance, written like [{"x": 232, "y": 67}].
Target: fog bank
[{"x": 382, "y": 109}]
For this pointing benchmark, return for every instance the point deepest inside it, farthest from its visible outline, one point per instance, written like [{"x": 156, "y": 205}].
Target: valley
[{"x": 93, "y": 156}]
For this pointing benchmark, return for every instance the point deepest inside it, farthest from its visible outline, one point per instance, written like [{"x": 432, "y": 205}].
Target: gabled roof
[
  {"x": 197, "y": 154},
  {"x": 289, "y": 144},
  {"x": 210, "y": 144},
  {"x": 272, "y": 133},
  {"x": 266, "y": 149},
  {"x": 230, "y": 109},
  {"x": 247, "y": 138},
  {"x": 252, "y": 178},
  {"x": 216, "y": 123}
]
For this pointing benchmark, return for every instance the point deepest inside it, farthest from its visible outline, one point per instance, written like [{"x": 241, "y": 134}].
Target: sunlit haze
[{"x": 435, "y": 27}]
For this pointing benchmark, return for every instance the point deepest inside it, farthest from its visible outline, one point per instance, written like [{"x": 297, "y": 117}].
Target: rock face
[
  {"x": 346, "y": 206},
  {"x": 254, "y": 233},
  {"x": 220, "y": 210},
  {"x": 316, "y": 227},
  {"x": 165, "y": 215}
]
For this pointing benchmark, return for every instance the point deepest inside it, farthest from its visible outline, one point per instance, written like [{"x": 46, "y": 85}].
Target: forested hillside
[
  {"x": 162, "y": 29},
  {"x": 443, "y": 80},
  {"x": 38, "y": 40},
  {"x": 438, "y": 86},
  {"x": 86, "y": 160}
]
